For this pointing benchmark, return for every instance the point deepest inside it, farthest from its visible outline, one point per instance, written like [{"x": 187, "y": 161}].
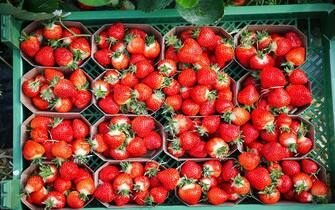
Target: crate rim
[{"x": 10, "y": 36}]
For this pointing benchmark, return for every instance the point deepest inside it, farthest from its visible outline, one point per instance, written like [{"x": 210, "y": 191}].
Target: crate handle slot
[{"x": 10, "y": 194}]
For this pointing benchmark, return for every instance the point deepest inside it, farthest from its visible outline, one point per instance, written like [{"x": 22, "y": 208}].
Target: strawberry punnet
[{"x": 56, "y": 45}]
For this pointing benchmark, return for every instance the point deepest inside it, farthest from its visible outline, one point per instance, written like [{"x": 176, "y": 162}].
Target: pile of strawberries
[
  {"x": 55, "y": 188},
  {"x": 208, "y": 136},
  {"x": 200, "y": 87},
  {"x": 276, "y": 137},
  {"x": 50, "y": 90},
  {"x": 123, "y": 137},
  {"x": 119, "y": 47},
  {"x": 132, "y": 85},
  {"x": 291, "y": 180},
  {"x": 56, "y": 45},
  {"x": 56, "y": 139},
  {"x": 135, "y": 183},
  {"x": 282, "y": 93},
  {"x": 259, "y": 49},
  {"x": 211, "y": 182}
]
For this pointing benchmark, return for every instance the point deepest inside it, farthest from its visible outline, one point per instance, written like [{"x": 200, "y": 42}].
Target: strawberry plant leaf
[
  {"x": 41, "y": 5},
  {"x": 152, "y": 5},
  {"x": 205, "y": 12},
  {"x": 187, "y": 3},
  {"x": 8, "y": 9},
  {"x": 96, "y": 3}
]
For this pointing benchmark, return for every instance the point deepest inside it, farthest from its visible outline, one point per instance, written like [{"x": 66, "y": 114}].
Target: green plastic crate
[{"x": 315, "y": 20}]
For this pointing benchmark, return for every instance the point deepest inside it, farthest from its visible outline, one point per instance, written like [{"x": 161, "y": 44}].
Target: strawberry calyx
[
  {"x": 298, "y": 188},
  {"x": 34, "y": 85},
  {"x": 47, "y": 95},
  {"x": 260, "y": 35},
  {"x": 149, "y": 40},
  {"x": 195, "y": 33},
  {"x": 268, "y": 190},
  {"x": 56, "y": 122},
  {"x": 201, "y": 130},
  {"x": 238, "y": 181},
  {"x": 228, "y": 116},
  {"x": 58, "y": 161},
  {"x": 81, "y": 159},
  {"x": 246, "y": 37},
  {"x": 185, "y": 181},
  {"x": 174, "y": 41},
  {"x": 38, "y": 160},
  {"x": 45, "y": 171}
]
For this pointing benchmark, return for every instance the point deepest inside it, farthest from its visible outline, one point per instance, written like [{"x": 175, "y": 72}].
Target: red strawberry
[
  {"x": 320, "y": 190},
  {"x": 269, "y": 196},
  {"x": 259, "y": 178},
  {"x": 169, "y": 178},
  {"x": 210, "y": 124},
  {"x": 278, "y": 98},
  {"x": 63, "y": 105},
  {"x": 262, "y": 119},
  {"x": 143, "y": 68},
  {"x": 188, "y": 140},
  {"x": 104, "y": 193},
  {"x": 248, "y": 95},
  {"x": 62, "y": 130},
  {"x": 207, "y": 76},
  {"x": 272, "y": 77},
  {"x": 217, "y": 196},
  {"x": 296, "y": 56},
  {"x": 32, "y": 150},
  {"x": 230, "y": 133},
  {"x": 205, "y": 36},
  {"x": 122, "y": 94},
  {"x": 33, "y": 184},
  {"x": 273, "y": 151},
  {"x": 80, "y": 129},
  {"x": 190, "y": 193},
  {"x": 228, "y": 170},
  {"x": 199, "y": 150},
  {"x": 128, "y": 79},
  {"x": 62, "y": 185},
  {"x": 280, "y": 46},
  {"x": 74, "y": 200},
  {"x": 244, "y": 52},
  {"x": 298, "y": 77},
  {"x": 154, "y": 80},
  {"x": 142, "y": 125},
  {"x": 294, "y": 39},
  {"x": 201, "y": 94},
  {"x": 212, "y": 168},
  {"x": 155, "y": 101},
  {"x": 270, "y": 136},
  {"x": 170, "y": 53},
  {"x": 61, "y": 150},
  {"x": 65, "y": 89},
  {"x": 64, "y": 57},
  {"x": 119, "y": 60},
  {"x": 223, "y": 81},
  {"x": 108, "y": 105},
  {"x": 249, "y": 160},
  {"x": 249, "y": 133},
  {"x": 222, "y": 105},
  {"x": 224, "y": 53},
  {"x": 116, "y": 31},
  {"x": 207, "y": 108},
  {"x": 101, "y": 40},
  {"x": 135, "y": 44},
  {"x": 300, "y": 95},
  {"x": 190, "y": 52},
  {"x": 191, "y": 170},
  {"x": 173, "y": 88},
  {"x": 152, "y": 47},
  {"x": 260, "y": 61},
  {"x": 153, "y": 141},
  {"x": 52, "y": 31},
  {"x": 187, "y": 77},
  {"x": 100, "y": 89},
  {"x": 217, "y": 148},
  {"x": 103, "y": 57},
  {"x": 54, "y": 200},
  {"x": 167, "y": 67},
  {"x": 290, "y": 167},
  {"x": 78, "y": 78},
  {"x": 309, "y": 166},
  {"x": 136, "y": 147},
  {"x": 190, "y": 108},
  {"x": 283, "y": 121},
  {"x": 31, "y": 87},
  {"x": 289, "y": 140},
  {"x": 142, "y": 91},
  {"x": 174, "y": 102},
  {"x": 263, "y": 39},
  {"x": 40, "y": 103},
  {"x": 81, "y": 48},
  {"x": 68, "y": 170},
  {"x": 82, "y": 99},
  {"x": 158, "y": 195},
  {"x": 30, "y": 45},
  {"x": 45, "y": 56},
  {"x": 37, "y": 197},
  {"x": 301, "y": 182}
]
